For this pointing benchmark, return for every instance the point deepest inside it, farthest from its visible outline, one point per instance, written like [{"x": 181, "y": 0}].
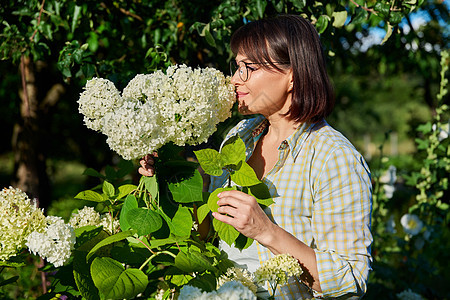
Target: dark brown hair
[{"x": 295, "y": 41}]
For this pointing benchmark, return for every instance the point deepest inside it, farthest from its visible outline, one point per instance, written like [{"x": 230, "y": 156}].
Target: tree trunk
[{"x": 29, "y": 161}]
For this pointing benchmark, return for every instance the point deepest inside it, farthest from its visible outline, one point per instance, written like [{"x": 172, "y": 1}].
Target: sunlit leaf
[
  {"x": 145, "y": 221},
  {"x": 226, "y": 232},
  {"x": 245, "y": 176},
  {"x": 210, "y": 161},
  {"x": 129, "y": 203},
  {"x": 116, "y": 282},
  {"x": 90, "y": 196},
  {"x": 189, "y": 189}
]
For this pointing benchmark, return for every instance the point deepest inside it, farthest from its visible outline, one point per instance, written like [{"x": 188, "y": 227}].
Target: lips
[{"x": 241, "y": 94}]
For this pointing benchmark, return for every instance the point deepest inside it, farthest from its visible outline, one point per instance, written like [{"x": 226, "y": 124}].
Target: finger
[
  {"x": 146, "y": 172},
  {"x": 223, "y": 218},
  {"x": 231, "y": 201},
  {"x": 235, "y": 194},
  {"x": 228, "y": 210}
]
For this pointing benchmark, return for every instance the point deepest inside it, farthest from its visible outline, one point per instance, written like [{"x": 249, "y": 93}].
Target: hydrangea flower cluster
[
  {"x": 87, "y": 216},
  {"x": 231, "y": 290},
  {"x": 182, "y": 106},
  {"x": 409, "y": 295},
  {"x": 411, "y": 223},
  {"x": 54, "y": 244},
  {"x": 19, "y": 216},
  {"x": 278, "y": 269},
  {"x": 243, "y": 276}
]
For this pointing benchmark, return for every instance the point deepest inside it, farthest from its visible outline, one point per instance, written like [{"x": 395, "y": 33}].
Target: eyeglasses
[{"x": 245, "y": 69}]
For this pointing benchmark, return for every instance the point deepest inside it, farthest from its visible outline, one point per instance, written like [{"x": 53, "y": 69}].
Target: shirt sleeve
[{"x": 341, "y": 223}]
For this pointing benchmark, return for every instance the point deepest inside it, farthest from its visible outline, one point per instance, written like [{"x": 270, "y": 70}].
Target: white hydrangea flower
[
  {"x": 87, "y": 216},
  {"x": 109, "y": 224},
  {"x": 243, "y": 276},
  {"x": 100, "y": 96},
  {"x": 19, "y": 216},
  {"x": 409, "y": 295},
  {"x": 182, "y": 106},
  {"x": 84, "y": 217},
  {"x": 278, "y": 269},
  {"x": 55, "y": 244},
  {"x": 189, "y": 292},
  {"x": 235, "y": 290},
  {"x": 411, "y": 223}
]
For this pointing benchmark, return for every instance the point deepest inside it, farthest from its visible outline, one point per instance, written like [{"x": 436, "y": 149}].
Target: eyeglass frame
[{"x": 234, "y": 64}]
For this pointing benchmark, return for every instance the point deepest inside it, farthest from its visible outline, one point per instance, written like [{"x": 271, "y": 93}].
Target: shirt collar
[{"x": 294, "y": 142}]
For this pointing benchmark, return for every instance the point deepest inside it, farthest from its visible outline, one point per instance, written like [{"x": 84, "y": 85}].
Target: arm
[
  {"x": 340, "y": 223},
  {"x": 244, "y": 213}
]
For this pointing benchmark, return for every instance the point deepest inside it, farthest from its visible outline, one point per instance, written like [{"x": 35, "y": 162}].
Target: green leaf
[
  {"x": 339, "y": 18},
  {"x": 110, "y": 173},
  {"x": 129, "y": 203},
  {"x": 93, "y": 173},
  {"x": 82, "y": 277},
  {"x": 202, "y": 212},
  {"x": 243, "y": 242},
  {"x": 226, "y": 232},
  {"x": 261, "y": 7},
  {"x": 206, "y": 282},
  {"x": 245, "y": 176},
  {"x": 233, "y": 151},
  {"x": 116, "y": 282},
  {"x": 181, "y": 222},
  {"x": 360, "y": 17},
  {"x": 188, "y": 190},
  {"x": 109, "y": 240},
  {"x": 261, "y": 193},
  {"x": 425, "y": 128},
  {"x": 86, "y": 234},
  {"x": 193, "y": 262},
  {"x": 125, "y": 189},
  {"x": 90, "y": 196},
  {"x": 210, "y": 161},
  {"x": 108, "y": 189},
  {"x": 389, "y": 31},
  {"x": 145, "y": 221},
  {"x": 9, "y": 280},
  {"x": 151, "y": 185},
  {"x": 212, "y": 200},
  {"x": 76, "y": 16},
  {"x": 322, "y": 23}
]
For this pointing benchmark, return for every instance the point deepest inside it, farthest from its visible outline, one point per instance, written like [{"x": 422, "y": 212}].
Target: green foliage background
[{"x": 387, "y": 88}]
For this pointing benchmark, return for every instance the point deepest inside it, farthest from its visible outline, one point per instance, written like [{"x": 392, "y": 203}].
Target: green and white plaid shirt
[{"x": 323, "y": 196}]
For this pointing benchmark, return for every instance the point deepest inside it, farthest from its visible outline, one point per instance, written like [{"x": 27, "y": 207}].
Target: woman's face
[{"x": 266, "y": 91}]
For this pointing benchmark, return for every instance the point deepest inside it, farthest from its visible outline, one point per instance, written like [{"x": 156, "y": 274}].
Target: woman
[{"x": 319, "y": 182}]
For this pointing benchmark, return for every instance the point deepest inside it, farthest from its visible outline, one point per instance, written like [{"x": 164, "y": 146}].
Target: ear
[{"x": 291, "y": 82}]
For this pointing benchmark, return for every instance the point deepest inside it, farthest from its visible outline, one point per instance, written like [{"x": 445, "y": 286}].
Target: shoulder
[
  {"x": 330, "y": 144},
  {"x": 245, "y": 127}
]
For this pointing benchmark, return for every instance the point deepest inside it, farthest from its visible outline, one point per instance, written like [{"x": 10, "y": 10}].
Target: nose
[{"x": 236, "y": 79}]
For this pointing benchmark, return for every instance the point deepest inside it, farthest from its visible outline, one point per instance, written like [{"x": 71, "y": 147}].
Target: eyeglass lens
[{"x": 242, "y": 67}]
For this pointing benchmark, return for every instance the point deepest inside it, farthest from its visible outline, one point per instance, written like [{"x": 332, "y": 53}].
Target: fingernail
[{"x": 218, "y": 195}]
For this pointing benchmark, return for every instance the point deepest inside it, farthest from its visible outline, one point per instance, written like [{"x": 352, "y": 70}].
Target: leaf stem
[{"x": 154, "y": 255}]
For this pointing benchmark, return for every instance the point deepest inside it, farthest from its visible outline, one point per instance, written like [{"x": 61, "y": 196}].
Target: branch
[
  {"x": 363, "y": 7},
  {"x": 39, "y": 21},
  {"x": 128, "y": 13},
  {"x": 125, "y": 12}
]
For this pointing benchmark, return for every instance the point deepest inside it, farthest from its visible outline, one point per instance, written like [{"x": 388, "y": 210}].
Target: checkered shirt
[{"x": 323, "y": 196}]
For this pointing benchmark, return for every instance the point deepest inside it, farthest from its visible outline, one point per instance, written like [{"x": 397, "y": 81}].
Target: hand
[
  {"x": 148, "y": 165},
  {"x": 243, "y": 213}
]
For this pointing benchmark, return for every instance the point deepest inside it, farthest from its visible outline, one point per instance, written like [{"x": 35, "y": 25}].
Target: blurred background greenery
[{"x": 383, "y": 58}]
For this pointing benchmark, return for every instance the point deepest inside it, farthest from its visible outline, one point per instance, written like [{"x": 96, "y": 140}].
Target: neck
[{"x": 280, "y": 128}]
